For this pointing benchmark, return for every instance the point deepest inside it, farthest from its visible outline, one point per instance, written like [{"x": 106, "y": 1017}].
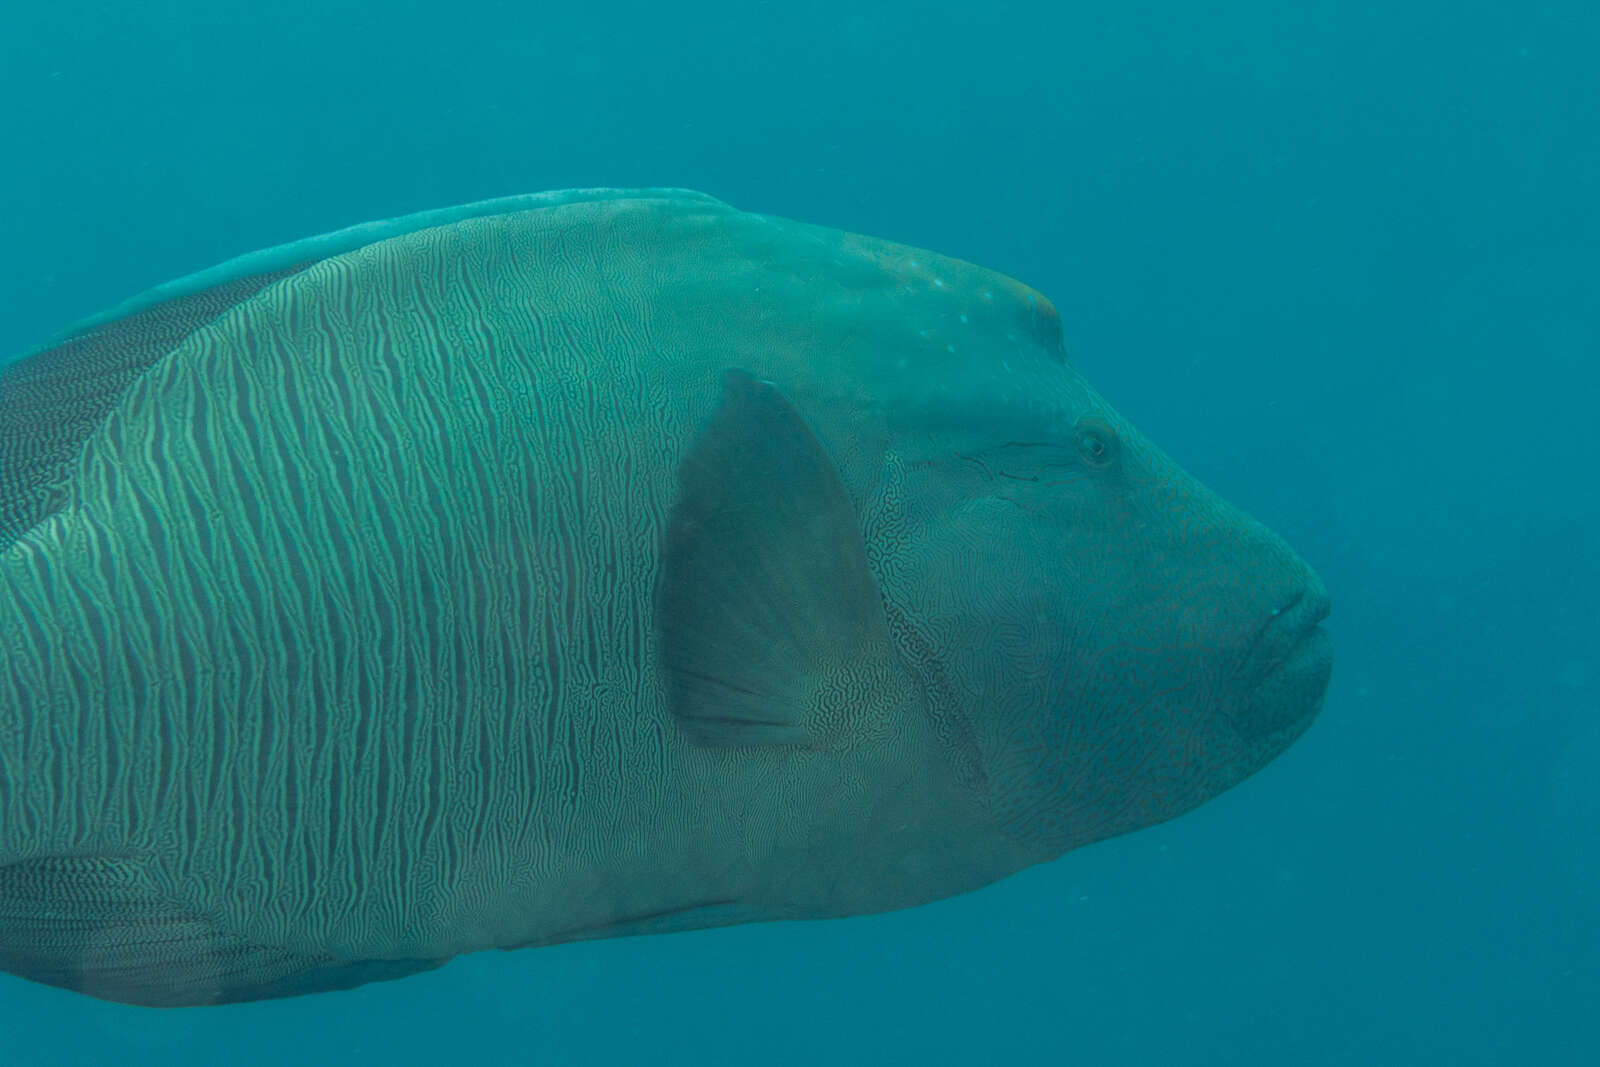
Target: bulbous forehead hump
[
  {"x": 959, "y": 303},
  {"x": 957, "y": 345}
]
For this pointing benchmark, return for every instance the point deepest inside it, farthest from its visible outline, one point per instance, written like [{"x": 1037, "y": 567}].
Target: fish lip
[
  {"x": 1301, "y": 615},
  {"x": 1287, "y": 630},
  {"x": 1285, "y": 671}
]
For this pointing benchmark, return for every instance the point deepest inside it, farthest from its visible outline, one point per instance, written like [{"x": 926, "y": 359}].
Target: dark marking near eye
[{"x": 980, "y": 464}]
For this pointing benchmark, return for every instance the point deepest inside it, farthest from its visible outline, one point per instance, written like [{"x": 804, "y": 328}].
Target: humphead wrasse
[{"x": 580, "y": 565}]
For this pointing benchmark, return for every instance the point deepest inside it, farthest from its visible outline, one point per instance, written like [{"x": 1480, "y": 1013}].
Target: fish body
[{"x": 583, "y": 565}]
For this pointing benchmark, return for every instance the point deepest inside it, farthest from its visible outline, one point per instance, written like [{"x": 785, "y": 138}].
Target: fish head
[{"x": 1121, "y": 642}]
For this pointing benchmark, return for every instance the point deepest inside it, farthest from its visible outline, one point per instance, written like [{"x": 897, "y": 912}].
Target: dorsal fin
[
  {"x": 52, "y": 399},
  {"x": 296, "y": 254}
]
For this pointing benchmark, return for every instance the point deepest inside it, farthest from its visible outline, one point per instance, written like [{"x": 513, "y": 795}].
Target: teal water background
[{"x": 1342, "y": 260}]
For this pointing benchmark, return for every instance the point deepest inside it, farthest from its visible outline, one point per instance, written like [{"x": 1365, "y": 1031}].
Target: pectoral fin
[{"x": 772, "y": 626}]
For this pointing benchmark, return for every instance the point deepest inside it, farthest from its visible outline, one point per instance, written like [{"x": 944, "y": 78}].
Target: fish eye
[{"x": 1097, "y": 442}]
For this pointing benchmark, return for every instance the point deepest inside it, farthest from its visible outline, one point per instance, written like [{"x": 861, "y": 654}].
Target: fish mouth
[
  {"x": 1288, "y": 668},
  {"x": 1291, "y": 626}
]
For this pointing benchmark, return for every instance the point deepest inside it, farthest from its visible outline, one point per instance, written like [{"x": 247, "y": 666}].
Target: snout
[{"x": 1286, "y": 670}]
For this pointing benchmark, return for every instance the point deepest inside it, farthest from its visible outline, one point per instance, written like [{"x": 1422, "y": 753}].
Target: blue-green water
[{"x": 1342, "y": 260}]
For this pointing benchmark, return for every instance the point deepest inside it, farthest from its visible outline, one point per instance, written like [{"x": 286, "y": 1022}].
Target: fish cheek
[{"x": 968, "y": 581}]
